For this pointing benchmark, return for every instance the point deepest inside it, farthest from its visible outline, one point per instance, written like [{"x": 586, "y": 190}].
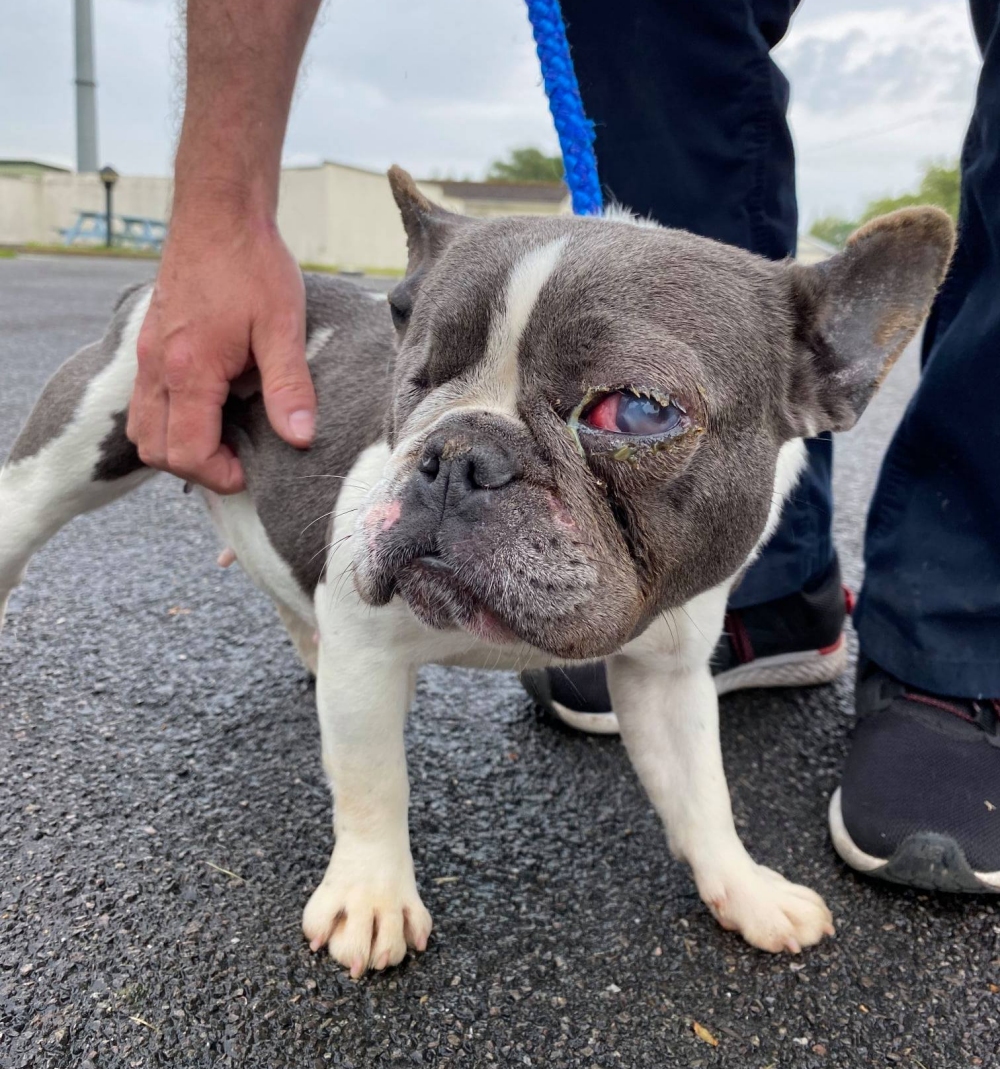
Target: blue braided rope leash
[{"x": 575, "y": 130}]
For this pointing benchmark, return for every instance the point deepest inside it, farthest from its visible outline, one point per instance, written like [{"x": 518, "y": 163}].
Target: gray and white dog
[{"x": 563, "y": 439}]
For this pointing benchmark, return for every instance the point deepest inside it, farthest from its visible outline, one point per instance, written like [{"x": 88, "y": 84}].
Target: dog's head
[{"x": 588, "y": 413}]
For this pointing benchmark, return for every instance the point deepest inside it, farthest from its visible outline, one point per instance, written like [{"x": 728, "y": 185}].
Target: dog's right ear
[
  {"x": 428, "y": 227},
  {"x": 855, "y": 313}
]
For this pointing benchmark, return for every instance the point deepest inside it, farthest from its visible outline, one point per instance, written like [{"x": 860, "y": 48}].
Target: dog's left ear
[
  {"x": 428, "y": 227},
  {"x": 854, "y": 314}
]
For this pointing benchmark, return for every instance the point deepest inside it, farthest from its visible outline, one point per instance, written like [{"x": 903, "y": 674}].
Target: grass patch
[
  {"x": 120, "y": 253},
  {"x": 333, "y": 269},
  {"x": 114, "y": 253},
  {"x": 320, "y": 269}
]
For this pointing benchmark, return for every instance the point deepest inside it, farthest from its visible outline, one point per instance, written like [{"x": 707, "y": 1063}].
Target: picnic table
[{"x": 133, "y": 231}]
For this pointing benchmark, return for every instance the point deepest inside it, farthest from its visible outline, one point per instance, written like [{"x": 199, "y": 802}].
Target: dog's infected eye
[{"x": 626, "y": 413}]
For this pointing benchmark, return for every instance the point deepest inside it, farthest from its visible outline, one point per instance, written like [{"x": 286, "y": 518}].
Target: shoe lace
[{"x": 983, "y": 714}]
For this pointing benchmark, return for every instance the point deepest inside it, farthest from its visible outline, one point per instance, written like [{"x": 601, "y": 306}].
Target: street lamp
[{"x": 108, "y": 176}]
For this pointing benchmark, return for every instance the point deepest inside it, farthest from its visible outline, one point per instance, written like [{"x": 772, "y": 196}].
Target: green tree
[
  {"x": 527, "y": 164},
  {"x": 939, "y": 185},
  {"x": 832, "y": 230}
]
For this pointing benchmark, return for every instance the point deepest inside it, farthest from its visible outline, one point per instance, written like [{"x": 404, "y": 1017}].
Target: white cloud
[
  {"x": 441, "y": 86},
  {"x": 875, "y": 93}
]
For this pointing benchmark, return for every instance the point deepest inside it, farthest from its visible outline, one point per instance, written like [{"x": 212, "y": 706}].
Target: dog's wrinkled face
[{"x": 588, "y": 413}]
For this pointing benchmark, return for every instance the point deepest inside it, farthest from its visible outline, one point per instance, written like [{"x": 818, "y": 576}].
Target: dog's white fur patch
[
  {"x": 496, "y": 378},
  {"x": 618, "y": 213},
  {"x": 792, "y": 459},
  {"x": 315, "y": 344}
]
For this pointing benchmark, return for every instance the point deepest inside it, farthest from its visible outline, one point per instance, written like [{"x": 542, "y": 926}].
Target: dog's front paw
[
  {"x": 769, "y": 912},
  {"x": 367, "y": 911}
]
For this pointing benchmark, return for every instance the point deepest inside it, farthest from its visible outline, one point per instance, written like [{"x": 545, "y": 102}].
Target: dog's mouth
[{"x": 440, "y": 600}]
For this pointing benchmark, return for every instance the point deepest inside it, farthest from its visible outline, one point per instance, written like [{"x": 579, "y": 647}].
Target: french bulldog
[{"x": 561, "y": 439}]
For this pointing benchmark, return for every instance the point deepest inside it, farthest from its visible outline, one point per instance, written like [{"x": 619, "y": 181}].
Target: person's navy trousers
[{"x": 690, "y": 119}]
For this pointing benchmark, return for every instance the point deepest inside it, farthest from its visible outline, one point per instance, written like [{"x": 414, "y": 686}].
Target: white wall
[
  {"x": 333, "y": 215},
  {"x": 20, "y": 210},
  {"x": 345, "y": 217},
  {"x": 33, "y": 208},
  {"x": 302, "y": 215},
  {"x": 330, "y": 215}
]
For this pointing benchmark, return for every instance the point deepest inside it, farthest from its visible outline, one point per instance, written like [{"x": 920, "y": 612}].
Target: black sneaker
[
  {"x": 795, "y": 641},
  {"x": 919, "y": 802}
]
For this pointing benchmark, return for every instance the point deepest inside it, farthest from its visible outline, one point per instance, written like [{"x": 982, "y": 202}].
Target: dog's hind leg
[{"x": 72, "y": 455}]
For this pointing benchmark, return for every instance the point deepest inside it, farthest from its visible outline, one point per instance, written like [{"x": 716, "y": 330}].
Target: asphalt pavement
[{"x": 164, "y": 818}]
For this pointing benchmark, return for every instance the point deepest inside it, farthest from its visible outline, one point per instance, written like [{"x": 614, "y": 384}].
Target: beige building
[
  {"x": 331, "y": 214},
  {"x": 488, "y": 199}
]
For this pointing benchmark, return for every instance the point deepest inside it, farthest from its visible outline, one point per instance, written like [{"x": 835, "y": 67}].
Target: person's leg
[
  {"x": 921, "y": 789},
  {"x": 689, "y": 112}
]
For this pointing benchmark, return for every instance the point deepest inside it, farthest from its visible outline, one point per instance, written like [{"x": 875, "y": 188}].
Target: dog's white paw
[
  {"x": 367, "y": 912},
  {"x": 769, "y": 912}
]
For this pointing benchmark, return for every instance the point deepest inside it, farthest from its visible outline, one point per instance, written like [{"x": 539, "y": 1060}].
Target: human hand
[{"x": 228, "y": 296}]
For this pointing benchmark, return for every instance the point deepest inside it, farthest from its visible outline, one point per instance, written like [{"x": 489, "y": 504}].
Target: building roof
[
  {"x": 28, "y": 166},
  {"x": 812, "y": 250},
  {"x": 545, "y": 192}
]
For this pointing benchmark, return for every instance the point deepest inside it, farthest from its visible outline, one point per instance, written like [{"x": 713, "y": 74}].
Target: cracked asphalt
[{"x": 164, "y": 818}]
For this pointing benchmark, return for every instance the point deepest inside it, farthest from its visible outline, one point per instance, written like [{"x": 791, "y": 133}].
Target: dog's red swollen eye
[
  {"x": 604, "y": 415},
  {"x": 626, "y": 413}
]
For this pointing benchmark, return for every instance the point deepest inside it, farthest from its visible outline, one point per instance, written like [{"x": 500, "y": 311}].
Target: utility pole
[{"x": 86, "y": 89}]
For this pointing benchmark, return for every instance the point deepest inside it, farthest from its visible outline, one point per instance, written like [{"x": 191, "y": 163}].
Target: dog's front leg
[
  {"x": 367, "y": 909},
  {"x": 669, "y": 718}
]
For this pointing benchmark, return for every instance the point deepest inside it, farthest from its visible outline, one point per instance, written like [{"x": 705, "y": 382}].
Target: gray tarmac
[{"x": 164, "y": 818}]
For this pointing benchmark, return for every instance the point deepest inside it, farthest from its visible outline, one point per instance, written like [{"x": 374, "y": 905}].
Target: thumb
[{"x": 289, "y": 395}]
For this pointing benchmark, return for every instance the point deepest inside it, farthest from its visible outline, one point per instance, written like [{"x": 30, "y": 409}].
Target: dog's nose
[{"x": 468, "y": 466}]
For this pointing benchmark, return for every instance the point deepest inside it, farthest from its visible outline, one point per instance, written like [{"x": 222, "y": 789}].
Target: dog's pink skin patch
[
  {"x": 560, "y": 513},
  {"x": 485, "y": 626},
  {"x": 384, "y": 515},
  {"x": 381, "y": 518},
  {"x": 392, "y": 513}
]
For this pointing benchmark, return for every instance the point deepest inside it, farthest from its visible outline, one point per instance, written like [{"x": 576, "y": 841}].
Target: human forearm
[
  {"x": 229, "y": 294},
  {"x": 242, "y": 61}
]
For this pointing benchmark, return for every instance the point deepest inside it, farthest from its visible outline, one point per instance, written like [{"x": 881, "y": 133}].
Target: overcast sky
[{"x": 445, "y": 86}]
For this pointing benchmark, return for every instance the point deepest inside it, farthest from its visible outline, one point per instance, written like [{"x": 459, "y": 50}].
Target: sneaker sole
[
  {"x": 927, "y": 860},
  {"x": 808, "y": 668}
]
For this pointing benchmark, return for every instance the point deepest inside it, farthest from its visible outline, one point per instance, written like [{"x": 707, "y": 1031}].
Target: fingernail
[{"x": 302, "y": 424}]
